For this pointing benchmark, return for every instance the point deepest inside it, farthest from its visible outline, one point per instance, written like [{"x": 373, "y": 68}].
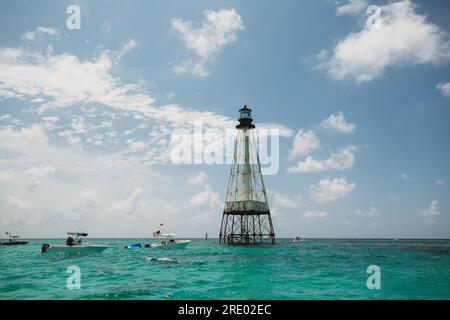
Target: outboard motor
[{"x": 45, "y": 247}]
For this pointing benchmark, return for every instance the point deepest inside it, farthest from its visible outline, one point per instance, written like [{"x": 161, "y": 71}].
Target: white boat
[
  {"x": 169, "y": 244},
  {"x": 13, "y": 240},
  {"x": 75, "y": 246},
  {"x": 296, "y": 239}
]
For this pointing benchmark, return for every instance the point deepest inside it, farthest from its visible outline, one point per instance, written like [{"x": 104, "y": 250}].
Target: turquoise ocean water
[{"x": 313, "y": 269}]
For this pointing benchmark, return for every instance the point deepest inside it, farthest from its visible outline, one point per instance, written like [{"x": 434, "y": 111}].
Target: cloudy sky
[{"x": 88, "y": 115}]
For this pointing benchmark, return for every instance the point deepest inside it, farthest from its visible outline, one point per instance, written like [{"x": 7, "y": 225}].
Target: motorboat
[
  {"x": 168, "y": 241},
  {"x": 13, "y": 240},
  {"x": 296, "y": 239},
  {"x": 75, "y": 245},
  {"x": 169, "y": 244}
]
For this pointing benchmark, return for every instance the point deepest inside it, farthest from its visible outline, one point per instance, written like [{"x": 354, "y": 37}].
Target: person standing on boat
[{"x": 69, "y": 241}]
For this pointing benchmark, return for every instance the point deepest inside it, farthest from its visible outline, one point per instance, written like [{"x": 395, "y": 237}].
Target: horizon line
[{"x": 209, "y": 238}]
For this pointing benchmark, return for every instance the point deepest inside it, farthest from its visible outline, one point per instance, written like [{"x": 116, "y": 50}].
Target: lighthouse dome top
[
  {"x": 245, "y": 112},
  {"x": 245, "y": 119}
]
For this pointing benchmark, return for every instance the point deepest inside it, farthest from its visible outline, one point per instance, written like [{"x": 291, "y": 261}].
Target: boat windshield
[{"x": 78, "y": 238}]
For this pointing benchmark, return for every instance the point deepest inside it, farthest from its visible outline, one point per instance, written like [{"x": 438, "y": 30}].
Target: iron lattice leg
[{"x": 246, "y": 229}]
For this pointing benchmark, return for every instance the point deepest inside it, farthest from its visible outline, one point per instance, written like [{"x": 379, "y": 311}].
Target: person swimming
[{"x": 45, "y": 247}]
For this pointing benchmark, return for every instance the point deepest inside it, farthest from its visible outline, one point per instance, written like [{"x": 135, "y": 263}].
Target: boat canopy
[
  {"x": 78, "y": 234},
  {"x": 12, "y": 236}
]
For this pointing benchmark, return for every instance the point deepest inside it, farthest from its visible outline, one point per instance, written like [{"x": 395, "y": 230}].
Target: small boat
[
  {"x": 297, "y": 239},
  {"x": 134, "y": 246},
  {"x": 75, "y": 245},
  {"x": 13, "y": 240},
  {"x": 169, "y": 244}
]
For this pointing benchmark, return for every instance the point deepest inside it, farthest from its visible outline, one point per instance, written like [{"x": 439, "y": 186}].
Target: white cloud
[
  {"x": 277, "y": 216},
  {"x": 207, "y": 197},
  {"x": 14, "y": 201},
  {"x": 136, "y": 145},
  {"x": 62, "y": 86},
  {"x": 283, "y": 130},
  {"x": 206, "y": 203},
  {"x": 284, "y": 201},
  {"x": 314, "y": 214},
  {"x": 37, "y": 174},
  {"x": 433, "y": 212},
  {"x": 66, "y": 197},
  {"x": 404, "y": 37},
  {"x": 330, "y": 190},
  {"x": 207, "y": 40},
  {"x": 126, "y": 47},
  {"x": 96, "y": 140},
  {"x": 439, "y": 181},
  {"x": 64, "y": 80},
  {"x": 61, "y": 81},
  {"x": 444, "y": 88},
  {"x": 23, "y": 141},
  {"x": 49, "y": 122},
  {"x": 40, "y": 31},
  {"x": 139, "y": 127},
  {"x": 218, "y": 30},
  {"x": 79, "y": 125},
  {"x": 40, "y": 171},
  {"x": 405, "y": 177},
  {"x": 128, "y": 205},
  {"x": 304, "y": 143},
  {"x": 81, "y": 207},
  {"x": 352, "y": 7},
  {"x": 340, "y": 160},
  {"x": 197, "y": 68},
  {"x": 6, "y": 175},
  {"x": 5, "y": 117},
  {"x": 338, "y": 122},
  {"x": 70, "y": 137},
  {"x": 372, "y": 212},
  {"x": 200, "y": 178}
]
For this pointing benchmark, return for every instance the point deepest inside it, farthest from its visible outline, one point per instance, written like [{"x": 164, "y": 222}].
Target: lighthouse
[{"x": 246, "y": 217}]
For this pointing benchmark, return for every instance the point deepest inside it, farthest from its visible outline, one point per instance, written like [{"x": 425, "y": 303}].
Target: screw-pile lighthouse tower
[{"x": 246, "y": 216}]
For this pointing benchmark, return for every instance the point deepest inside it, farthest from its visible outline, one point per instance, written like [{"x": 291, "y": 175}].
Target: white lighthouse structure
[{"x": 246, "y": 217}]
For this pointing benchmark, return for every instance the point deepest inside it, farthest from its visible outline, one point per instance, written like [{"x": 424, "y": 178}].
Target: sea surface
[{"x": 311, "y": 269}]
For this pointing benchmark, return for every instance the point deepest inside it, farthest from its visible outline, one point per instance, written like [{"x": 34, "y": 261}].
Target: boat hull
[
  {"x": 13, "y": 243},
  {"x": 78, "y": 249},
  {"x": 134, "y": 246},
  {"x": 178, "y": 244}
]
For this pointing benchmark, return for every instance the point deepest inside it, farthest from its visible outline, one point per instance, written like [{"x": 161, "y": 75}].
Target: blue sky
[{"x": 86, "y": 116}]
